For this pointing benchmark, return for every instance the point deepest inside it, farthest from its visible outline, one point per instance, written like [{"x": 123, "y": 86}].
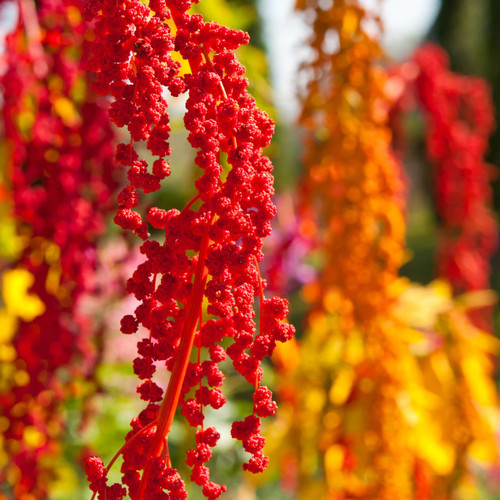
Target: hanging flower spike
[
  {"x": 60, "y": 166},
  {"x": 208, "y": 253},
  {"x": 348, "y": 432},
  {"x": 459, "y": 114}
]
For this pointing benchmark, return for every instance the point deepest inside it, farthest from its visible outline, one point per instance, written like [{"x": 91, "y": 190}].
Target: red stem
[
  {"x": 191, "y": 202},
  {"x": 199, "y": 356},
  {"x": 261, "y": 296},
  {"x": 172, "y": 395},
  {"x": 122, "y": 449}
]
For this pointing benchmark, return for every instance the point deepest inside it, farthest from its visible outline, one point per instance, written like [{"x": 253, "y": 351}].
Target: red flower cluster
[
  {"x": 460, "y": 116},
  {"x": 209, "y": 254},
  {"x": 61, "y": 168}
]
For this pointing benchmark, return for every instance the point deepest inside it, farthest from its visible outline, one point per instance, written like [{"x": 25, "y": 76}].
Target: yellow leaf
[
  {"x": 66, "y": 110},
  {"x": 25, "y": 122},
  {"x": 33, "y": 438},
  {"x": 74, "y": 15},
  {"x": 354, "y": 348},
  {"x": 287, "y": 355},
  {"x": 341, "y": 387},
  {"x": 431, "y": 446},
  {"x": 481, "y": 386},
  {"x": 442, "y": 369},
  {"x": 8, "y": 325},
  {"x": 334, "y": 457},
  {"x": 7, "y": 353},
  {"x": 484, "y": 450},
  {"x": 314, "y": 400},
  {"x": 18, "y": 301},
  {"x": 477, "y": 299}
]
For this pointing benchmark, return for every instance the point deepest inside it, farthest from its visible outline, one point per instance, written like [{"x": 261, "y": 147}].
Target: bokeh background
[{"x": 467, "y": 29}]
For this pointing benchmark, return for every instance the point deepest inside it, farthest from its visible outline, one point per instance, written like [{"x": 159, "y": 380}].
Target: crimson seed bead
[
  {"x": 161, "y": 169},
  {"x": 258, "y": 463},
  {"x": 94, "y": 468},
  {"x": 191, "y": 409},
  {"x": 209, "y": 436},
  {"x": 129, "y": 324},
  {"x": 200, "y": 475},
  {"x": 254, "y": 443},
  {"x": 217, "y": 353},
  {"x": 149, "y": 391},
  {"x": 144, "y": 367},
  {"x": 158, "y": 218},
  {"x": 264, "y": 406},
  {"x": 213, "y": 490},
  {"x": 244, "y": 428}
]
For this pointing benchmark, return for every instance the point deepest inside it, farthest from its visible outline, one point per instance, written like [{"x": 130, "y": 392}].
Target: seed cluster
[{"x": 209, "y": 255}]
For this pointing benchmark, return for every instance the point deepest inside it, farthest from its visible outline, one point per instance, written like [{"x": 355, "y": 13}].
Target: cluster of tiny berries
[{"x": 209, "y": 254}]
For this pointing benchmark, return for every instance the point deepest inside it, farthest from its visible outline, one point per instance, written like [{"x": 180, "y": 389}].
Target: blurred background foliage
[{"x": 468, "y": 30}]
